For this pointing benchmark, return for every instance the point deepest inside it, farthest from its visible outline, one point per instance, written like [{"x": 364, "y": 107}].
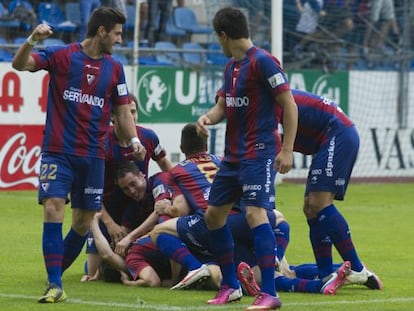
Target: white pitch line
[{"x": 142, "y": 305}]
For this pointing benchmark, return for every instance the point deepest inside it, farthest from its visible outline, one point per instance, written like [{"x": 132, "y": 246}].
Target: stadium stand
[
  {"x": 193, "y": 54},
  {"x": 5, "y": 54},
  {"x": 53, "y": 41},
  {"x": 215, "y": 55},
  {"x": 167, "y": 54},
  {"x": 192, "y": 23},
  {"x": 185, "y": 18},
  {"x": 52, "y": 14}
]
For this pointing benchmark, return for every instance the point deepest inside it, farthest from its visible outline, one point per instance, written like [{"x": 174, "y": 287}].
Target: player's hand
[
  {"x": 139, "y": 151},
  {"x": 284, "y": 161},
  {"x": 116, "y": 232},
  {"x": 41, "y": 32},
  {"x": 202, "y": 121},
  {"x": 122, "y": 246},
  {"x": 162, "y": 207}
]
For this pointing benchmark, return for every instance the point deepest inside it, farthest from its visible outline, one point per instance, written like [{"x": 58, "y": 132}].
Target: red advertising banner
[{"x": 20, "y": 149}]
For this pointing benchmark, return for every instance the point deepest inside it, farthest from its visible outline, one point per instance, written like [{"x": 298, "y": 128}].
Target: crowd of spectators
[{"x": 333, "y": 34}]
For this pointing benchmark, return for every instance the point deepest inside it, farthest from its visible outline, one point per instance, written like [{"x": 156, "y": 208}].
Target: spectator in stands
[
  {"x": 116, "y": 4},
  {"x": 382, "y": 21},
  {"x": 290, "y": 20},
  {"x": 258, "y": 16},
  {"x": 85, "y": 9},
  {"x": 158, "y": 13},
  {"x": 333, "y": 24},
  {"x": 309, "y": 13}
]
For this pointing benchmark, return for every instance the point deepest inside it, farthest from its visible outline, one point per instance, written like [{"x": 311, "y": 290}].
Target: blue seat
[
  {"x": 19, "y": 40},
  {"x": 23, "y": 11},
  {"x": 5, "y": 54},
  {"x": 172, "y": 30},
  {"x": 5, "y": 21},
  {"x": 194, "y": 54},
  {"x": 121, "y": 57},
  {"x": 185, "y": 18},
  {"x": 53, "y": 41},
  {"x": 72, "y": 12},
  {"x": 51, "y": 14},
  {"x": 14, "y": 3},
  {"x": 166, "y": 54},
  {"x": 215, "y": 55}
]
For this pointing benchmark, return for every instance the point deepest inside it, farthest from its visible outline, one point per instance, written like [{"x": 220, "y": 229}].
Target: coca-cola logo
[{"x": 19, "y": 163}]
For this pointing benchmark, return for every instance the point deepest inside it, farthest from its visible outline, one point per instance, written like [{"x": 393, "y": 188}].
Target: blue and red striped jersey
[
  {"x": 250, "y": 88},
  {"x": 317, "y": 116},
  {"x": 82, "y": 92},
  {"x": 194, "y": 177},
  {"x": 130, "y": 213},
  {"x": 115, "y": 154}
]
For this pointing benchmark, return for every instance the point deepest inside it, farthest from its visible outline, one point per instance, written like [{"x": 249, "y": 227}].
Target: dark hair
[
  {"x": 232, "y": 22},
  {"x": 133, "y": 98},
  {"x": 191, "y": 142},
  {"x": 124, "y": 168},
  {"x": 104, "y": 16}
]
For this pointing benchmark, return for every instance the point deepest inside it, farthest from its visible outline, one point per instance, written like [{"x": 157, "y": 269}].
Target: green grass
[{"x": 381, "y": 220}]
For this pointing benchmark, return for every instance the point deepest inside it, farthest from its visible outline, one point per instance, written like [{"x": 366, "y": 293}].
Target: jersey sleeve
[
  {"x": 272, "y": 74},
  {"x": 120, "y": 95}
]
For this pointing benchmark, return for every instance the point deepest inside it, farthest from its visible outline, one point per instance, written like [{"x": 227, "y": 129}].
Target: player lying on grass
[{"x": 144, "y": 265}]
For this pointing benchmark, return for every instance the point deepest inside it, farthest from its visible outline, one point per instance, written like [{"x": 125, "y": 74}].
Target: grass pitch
[{"x": 381, "y": 221}]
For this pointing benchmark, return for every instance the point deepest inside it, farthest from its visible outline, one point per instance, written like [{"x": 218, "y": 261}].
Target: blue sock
[
  {"x": 264, "y": 246},
  {"x": 307, "y": 271},
  {"x": 223, "y": 251},
  {"x": 73, "y": 245},
  {"x": 52, "y": 242},
  {"x": 285, "y": 284},
  {"x": 175, "y": 249},
  {"x": 322, "y": 247},
  {"x": 282, "y": 235},
  {"x": 337, "y": 229}
]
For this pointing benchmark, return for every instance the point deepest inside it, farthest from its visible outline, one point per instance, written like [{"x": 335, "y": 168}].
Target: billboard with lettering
[
  {"x": 173, "y": 95},
  {"x": 170, "y": 97}
]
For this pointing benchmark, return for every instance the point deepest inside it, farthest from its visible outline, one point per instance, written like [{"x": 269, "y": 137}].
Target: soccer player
[
  {"x": 86, "y": 84},
  {"x": 193, "y": 177},
  {"x": 144, "y": 264},
  {"x": 326, "y": 133},
  {"x": 113, "y": 223},
  {"x": 254, "y": 85},
  {"x": 145, "y": 193}
]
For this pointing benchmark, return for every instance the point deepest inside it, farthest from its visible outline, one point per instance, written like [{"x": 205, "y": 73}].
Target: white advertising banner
[{"x": 386, "y": 149}]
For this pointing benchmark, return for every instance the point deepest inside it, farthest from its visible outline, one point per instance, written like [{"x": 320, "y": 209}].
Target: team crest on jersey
[
  {"x": 90, "y": 78},
  {"x": 276, "y": 79},
  {"x": 45, "y": 186}
]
